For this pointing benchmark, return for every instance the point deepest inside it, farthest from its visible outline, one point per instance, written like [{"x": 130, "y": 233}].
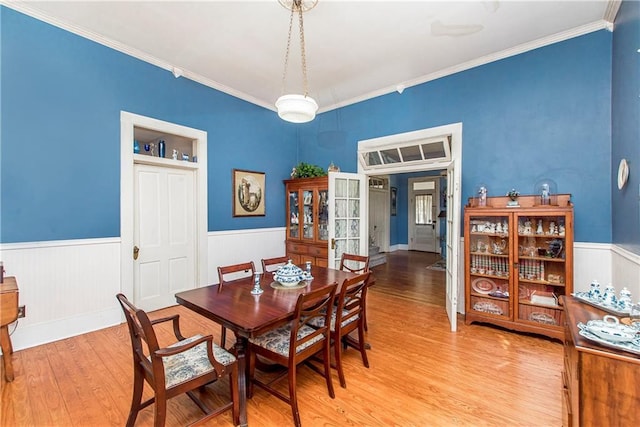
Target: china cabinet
[
  {"x": 519, "y": 261},
  {"x": 307, "y": 220},
  {"x": 599, "y": 384}
]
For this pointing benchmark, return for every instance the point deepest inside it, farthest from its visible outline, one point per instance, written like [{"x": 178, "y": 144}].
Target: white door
[
  {"x": 347, "y": 216},
  {"x": 379, "y": 218},
  {"x": 423, "y": 215},
  {"x": 453, "y": 241},
  {"x": 164, "y": 224}
]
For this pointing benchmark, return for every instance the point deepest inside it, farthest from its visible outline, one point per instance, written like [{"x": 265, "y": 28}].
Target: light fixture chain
[
  {"x": 302, "y": 50},
  {"x": 286, "y": 56}
]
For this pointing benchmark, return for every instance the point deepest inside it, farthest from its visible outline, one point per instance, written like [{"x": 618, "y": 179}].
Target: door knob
[{"x": 136, "y": 251}]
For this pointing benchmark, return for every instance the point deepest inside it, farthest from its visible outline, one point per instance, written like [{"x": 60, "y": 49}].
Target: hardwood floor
[{"x": 421, "y": 374}]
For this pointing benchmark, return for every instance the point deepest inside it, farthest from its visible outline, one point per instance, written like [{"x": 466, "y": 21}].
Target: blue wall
[
  {"x": 61, "y": 101},
  {"x": 544, "y": 113},
  {"x": 625, "y": 113}
]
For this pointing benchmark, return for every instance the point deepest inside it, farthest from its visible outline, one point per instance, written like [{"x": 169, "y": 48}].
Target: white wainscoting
[
  {"x": 626, "y": 271},
  {"x": 237, "y": 246},
  {"x": 591, "y": 261},
  {"x": 69, "y": 286}
]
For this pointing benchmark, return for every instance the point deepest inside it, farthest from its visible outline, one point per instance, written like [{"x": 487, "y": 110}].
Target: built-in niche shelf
[{"x": 149, "y": 144}]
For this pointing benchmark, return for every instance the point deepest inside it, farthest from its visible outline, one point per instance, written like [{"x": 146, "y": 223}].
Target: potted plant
[{"x": 306, "y": 170}]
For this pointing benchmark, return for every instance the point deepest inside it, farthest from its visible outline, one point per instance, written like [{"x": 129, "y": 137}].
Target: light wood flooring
[{"x": 421, "y": 374}]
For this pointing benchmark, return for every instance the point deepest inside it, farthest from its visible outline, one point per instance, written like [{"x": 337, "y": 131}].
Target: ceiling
[{"x": 356, "y": 49}]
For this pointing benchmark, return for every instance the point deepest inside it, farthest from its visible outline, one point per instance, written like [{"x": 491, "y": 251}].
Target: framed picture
[
  {"x": 248, "y": 193},
  {"x": 394, "y": 197}
]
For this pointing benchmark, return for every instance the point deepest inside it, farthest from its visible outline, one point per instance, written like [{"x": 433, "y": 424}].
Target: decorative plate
[
  {"x": 543, "y": 318},
  {"x": 483, "y": 285},
  {"x": 487, "y": 307},
  {"x": 623, "y": 173}
]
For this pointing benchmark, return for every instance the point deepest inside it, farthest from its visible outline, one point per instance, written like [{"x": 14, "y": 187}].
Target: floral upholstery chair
[{"x": 186, "y": 365}]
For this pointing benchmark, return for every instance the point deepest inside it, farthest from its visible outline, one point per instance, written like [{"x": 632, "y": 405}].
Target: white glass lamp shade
[{"x": 296, "y": 108}]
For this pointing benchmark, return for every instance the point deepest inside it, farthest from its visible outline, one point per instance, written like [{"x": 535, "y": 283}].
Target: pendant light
[{"x": 296, "y": 108}]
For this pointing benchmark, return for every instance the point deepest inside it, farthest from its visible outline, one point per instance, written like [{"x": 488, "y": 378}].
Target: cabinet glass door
[
  {"x": 541, "y": 268},
  {"x": 323, "y": 215},
  {"x": 294, "y": 217},
  {"x": 489, "y": 265},
  {"x": 307, "y": 214}
]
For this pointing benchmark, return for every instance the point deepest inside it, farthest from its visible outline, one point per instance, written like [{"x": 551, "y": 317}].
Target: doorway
[
  {"x": 423, "y": 209},
  {"x": 427, "y": 150},
  {"x": 163, "y": 211}
]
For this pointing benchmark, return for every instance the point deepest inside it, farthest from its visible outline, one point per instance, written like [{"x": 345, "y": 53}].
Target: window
[
  {"x": 424, "y": 205},
  {"x": 417, "y": 151}
]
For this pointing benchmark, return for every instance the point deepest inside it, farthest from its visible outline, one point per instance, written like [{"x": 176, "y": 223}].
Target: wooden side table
[{"x": 8, "y": 314}]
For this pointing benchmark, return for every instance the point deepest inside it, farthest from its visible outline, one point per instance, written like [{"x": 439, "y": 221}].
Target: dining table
[{"x": 248, "y": 315}]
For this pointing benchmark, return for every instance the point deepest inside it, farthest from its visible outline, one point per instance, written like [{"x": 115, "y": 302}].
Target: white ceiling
[{"x": 355, "y": 49}]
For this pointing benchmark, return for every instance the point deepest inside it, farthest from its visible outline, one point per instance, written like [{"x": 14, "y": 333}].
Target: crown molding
[
  {"x": 606, "y": 23},
  {"x": 545, "y": 41},
  {"x": 25, "y": 8},
  {"x": 612, "y": 10}
]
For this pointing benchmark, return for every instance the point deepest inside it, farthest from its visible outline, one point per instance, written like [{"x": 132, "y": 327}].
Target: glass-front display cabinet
[
  {"x": 307, "y": 220},
  {"x": 519, "y": 261}
]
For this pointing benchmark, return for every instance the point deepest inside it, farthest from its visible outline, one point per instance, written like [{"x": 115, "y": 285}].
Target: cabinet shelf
[
  {"x": 528, "y": 302},
  {"x": 540, "y": 282},
  {"x": 542, "y": 258},
  {"x": 491, "y": 255}
]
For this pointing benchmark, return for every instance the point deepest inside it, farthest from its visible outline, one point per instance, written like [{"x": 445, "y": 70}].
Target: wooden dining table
[{"x": 247, "y": 315}]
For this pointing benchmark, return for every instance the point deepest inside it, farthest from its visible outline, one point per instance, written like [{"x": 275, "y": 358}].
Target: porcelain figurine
[
  {"x": 609, "y": 295},
  {"x": 539, "y": 230},
  {"x": 594, "y": 290}
]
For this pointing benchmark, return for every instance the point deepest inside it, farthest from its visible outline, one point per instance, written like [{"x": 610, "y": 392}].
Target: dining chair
[
  {"x": 347, "y": 318},
  {"x": 186, "y": 365},
  {"x": 296, "y": 343},
  {"x": 269, "y": 265},
  {"x": 245, "y": 269},
  {"x": 356, "y": 264}
]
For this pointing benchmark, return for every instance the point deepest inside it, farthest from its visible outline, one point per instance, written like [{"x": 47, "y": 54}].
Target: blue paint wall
[
  {"x": 625, "y": 111},
  {"x": 544, "y": 113},
  {"x": 60, "y": 165}
]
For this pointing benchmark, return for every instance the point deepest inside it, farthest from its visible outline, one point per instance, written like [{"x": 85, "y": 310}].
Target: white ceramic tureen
[
  {"x": 289, "y": 274},
  {"x": 610, "y": 329}
]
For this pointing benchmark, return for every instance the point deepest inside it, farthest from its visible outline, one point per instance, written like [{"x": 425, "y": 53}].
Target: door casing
[{"x": 129, "y": 121}]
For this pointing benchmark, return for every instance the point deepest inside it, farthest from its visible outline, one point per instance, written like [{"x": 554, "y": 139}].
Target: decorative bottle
[{"x": 161, "y": 148}]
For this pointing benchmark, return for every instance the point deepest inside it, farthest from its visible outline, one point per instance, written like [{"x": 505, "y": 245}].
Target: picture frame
[
  {"x": 394, "y": 198},
  {"x": 248, "y": 193}
]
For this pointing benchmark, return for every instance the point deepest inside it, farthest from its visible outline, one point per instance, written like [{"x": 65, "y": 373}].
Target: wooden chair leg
[
  {"x": 235, "y": 397},
  {"x": 327, "y": 370},
  {"x": 136, "y": 399},
  {"x": 362, "y": 346},
  {"x": 223, "y": 337},
  {"x": 293, "y": 397},
  {"x": 338, "y": 356},
  {"x": 160, "y": 409},
  {"x": 251, "y": 368}
]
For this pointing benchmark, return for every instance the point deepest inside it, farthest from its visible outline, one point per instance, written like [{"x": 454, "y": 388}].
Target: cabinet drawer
[
  {"x": 297, "y": 248},
  {"x": 318, "y": 251}
]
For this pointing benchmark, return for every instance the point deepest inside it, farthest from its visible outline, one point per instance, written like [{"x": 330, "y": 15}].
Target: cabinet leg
[{"x": 7, "y": 351}]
